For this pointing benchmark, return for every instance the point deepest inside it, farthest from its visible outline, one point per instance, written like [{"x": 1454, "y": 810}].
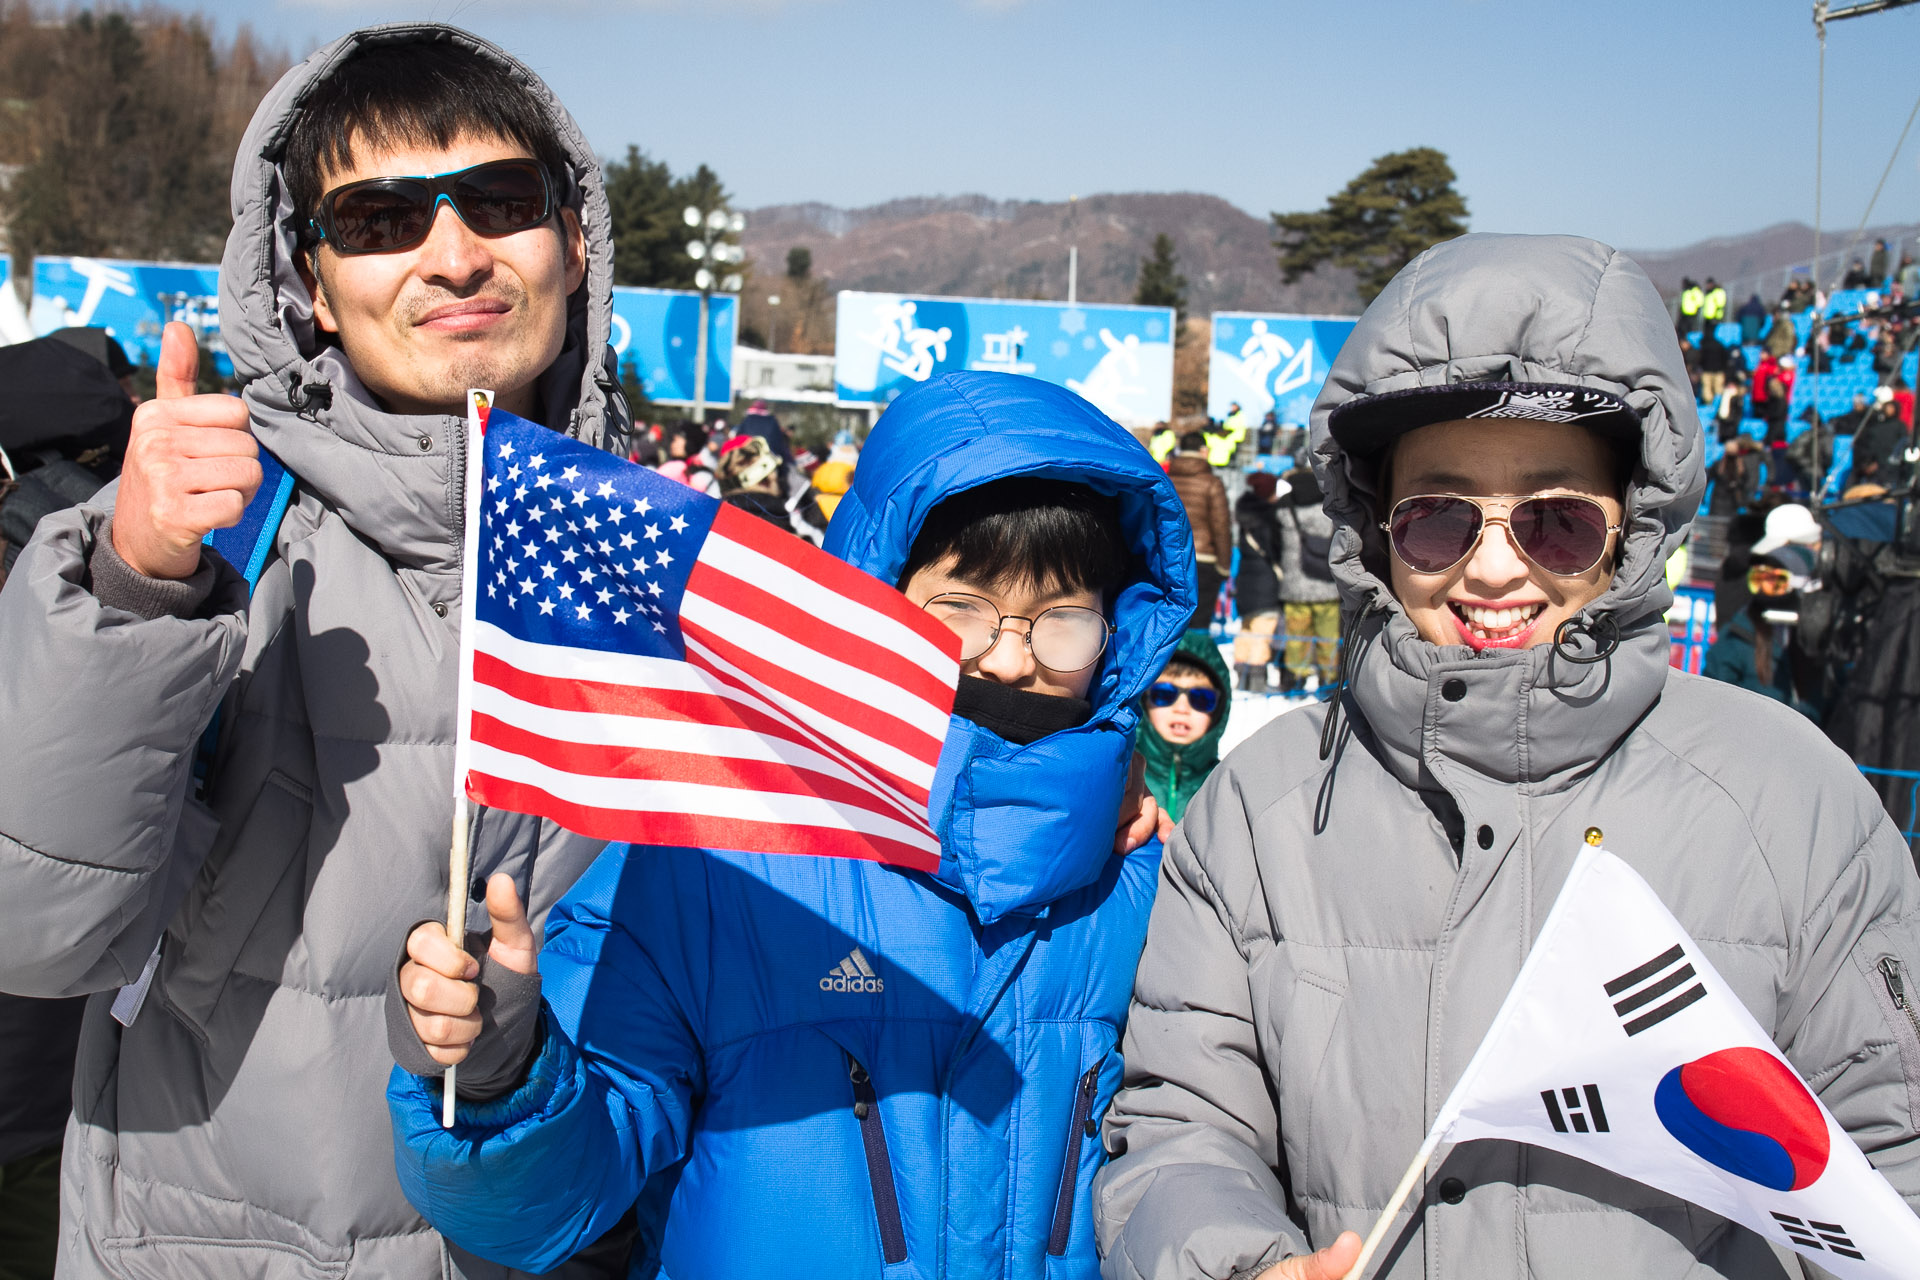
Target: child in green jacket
[{"x": 1182, "y": 715}]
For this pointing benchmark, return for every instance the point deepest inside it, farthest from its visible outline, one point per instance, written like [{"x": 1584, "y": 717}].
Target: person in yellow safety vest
[
  {"x": 1691, "y": 300},
  {"x": 1162, "y": 443},
  {"x": 1713, "y": 304},
  {"x": 1679, "y": 569},
  {"x": 1223, "y": 444}
]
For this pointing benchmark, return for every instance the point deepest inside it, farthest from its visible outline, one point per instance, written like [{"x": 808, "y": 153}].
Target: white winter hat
[{"x": 1791, "y": 524}]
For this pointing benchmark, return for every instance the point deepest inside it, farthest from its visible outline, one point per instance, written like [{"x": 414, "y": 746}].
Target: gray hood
[
  {"x": 1535, "y": 309},
  {"x": 395, "y": 479}
]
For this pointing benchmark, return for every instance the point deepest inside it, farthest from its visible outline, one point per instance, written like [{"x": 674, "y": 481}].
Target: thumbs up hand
[
  {"x": 192, "y": 466},
  {"x": 461, "y": 1008}
]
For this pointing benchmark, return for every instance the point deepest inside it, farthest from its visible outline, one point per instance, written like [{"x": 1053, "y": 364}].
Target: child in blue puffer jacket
[{"x": 818, "y": 1067}]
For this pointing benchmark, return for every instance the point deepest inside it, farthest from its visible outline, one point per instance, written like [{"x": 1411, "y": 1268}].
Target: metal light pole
[
  {"x": 1823, "y": 13},
  {"x": 1073, "y": 253},
  {"x": 711, "y": 227}
]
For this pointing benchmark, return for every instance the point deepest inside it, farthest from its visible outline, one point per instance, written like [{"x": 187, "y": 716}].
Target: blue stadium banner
[
  {"x": 656, "y": 333},
  {"x": 132, "y": 301},
  {"x": 1120, "y": 358},
  {"x": 1270, "y": 361}
]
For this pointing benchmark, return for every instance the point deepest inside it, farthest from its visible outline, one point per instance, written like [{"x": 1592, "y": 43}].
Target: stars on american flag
[{"x": 564, "y": 546}]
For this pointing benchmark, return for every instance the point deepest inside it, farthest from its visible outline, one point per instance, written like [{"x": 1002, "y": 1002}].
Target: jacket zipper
[
  {"x": 1084, "y": 1126},
  {"x": 1897, "y": 988},
  {"x": 873, "y": 1137}
]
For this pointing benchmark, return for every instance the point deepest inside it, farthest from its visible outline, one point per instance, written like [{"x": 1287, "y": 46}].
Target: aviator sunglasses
[
  {"x": 381, "y": 215},
  {"x": 1565, "y": 534},
  {"x": 1165, "y": 695}
]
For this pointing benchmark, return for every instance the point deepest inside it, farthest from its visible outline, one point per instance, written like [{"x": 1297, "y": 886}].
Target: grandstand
[{"x": 1829, "y": 393}]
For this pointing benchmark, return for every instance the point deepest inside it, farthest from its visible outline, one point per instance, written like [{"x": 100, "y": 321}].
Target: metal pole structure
[
  {"x": 1819, "y": 137},
  {"x": 1823, "y": 13},
  {"x": 711, "y": 249},
  {"x": 1864, "y": 8},
  {"x": 1073, "y": 252}
]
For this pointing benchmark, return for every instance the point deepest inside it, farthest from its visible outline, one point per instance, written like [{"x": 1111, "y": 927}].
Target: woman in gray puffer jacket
[{"x": 1352, "y": 893}]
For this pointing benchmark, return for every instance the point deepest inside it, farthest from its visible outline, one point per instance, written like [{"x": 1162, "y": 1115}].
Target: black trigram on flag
[
  {"x": 1567, "y": 1108},
  {"x": 1809, "y": 1234},
  {"x": 1666, "y": 975}
]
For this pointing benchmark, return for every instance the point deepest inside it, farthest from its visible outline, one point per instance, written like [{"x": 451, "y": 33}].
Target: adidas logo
[{"x": 852, "y": 974}]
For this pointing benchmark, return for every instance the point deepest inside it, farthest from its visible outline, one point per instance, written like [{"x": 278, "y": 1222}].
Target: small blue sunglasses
[{"x": 1200, "y": 698}]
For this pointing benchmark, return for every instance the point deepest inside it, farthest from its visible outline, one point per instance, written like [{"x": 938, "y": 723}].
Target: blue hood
[{"x": 1022, "y": 826}]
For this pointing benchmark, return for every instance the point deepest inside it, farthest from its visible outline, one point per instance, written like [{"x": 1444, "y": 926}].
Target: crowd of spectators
[
  {"x": 1779, "y": 386},
  {"x": 753, "y": 466},
  {"x": 1808, "y": 401}
]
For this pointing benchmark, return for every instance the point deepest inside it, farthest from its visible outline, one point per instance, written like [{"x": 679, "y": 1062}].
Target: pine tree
[
  {"x": 118, "y": 129},
  {"x": 649, "y": 228},
  {"x": 1401, "y": 206},
  {"x": 1160, "y": 283}
]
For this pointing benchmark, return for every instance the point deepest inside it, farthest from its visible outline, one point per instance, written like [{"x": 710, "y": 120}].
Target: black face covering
[{"x": 1017, "y": 715}]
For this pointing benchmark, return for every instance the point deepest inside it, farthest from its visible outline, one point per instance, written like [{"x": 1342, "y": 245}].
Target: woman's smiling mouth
[{"x": 1495, "y": 626}]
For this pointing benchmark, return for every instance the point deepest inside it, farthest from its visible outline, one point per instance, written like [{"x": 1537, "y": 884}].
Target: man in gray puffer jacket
[
  {"x": 1336, "y": 928},
  {"x": 230, "y": 1115}
]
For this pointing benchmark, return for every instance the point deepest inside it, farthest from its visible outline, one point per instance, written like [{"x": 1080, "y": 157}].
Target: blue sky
[{"x": 1646, "y": 123}]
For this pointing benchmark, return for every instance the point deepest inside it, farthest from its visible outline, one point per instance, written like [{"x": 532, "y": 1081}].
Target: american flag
[{"x": 644, "y": 663}]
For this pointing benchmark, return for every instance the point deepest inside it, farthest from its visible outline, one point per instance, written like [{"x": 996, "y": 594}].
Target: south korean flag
[{"x": 1619, "y": 1044}]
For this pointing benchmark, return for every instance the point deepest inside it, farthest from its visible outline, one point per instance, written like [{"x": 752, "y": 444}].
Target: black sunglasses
[
  {"x": 383, "y": 215},
  {"x": 1200, "y": 698}
]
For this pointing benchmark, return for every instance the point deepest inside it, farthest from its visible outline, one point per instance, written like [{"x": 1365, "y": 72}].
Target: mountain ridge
[
  {"x": 975, "y": 245},
  {"x": 979, "y": 246}
]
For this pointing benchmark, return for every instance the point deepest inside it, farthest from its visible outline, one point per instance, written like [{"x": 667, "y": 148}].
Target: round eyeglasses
[
  {"x": 1065, "y": 638},
  {"x": 1565, "y": 534}
]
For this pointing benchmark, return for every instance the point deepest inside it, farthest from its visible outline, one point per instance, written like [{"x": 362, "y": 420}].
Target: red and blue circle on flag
[{"x": 1745, "y": 1111}]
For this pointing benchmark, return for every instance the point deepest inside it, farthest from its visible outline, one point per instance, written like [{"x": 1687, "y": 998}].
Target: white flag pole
[
  {"x": 1392, "y": 1211},
  {"x": 459, "y": 866},
  {"x": 1443, "y": 1121},
  {"x": 456, "y": 927}
]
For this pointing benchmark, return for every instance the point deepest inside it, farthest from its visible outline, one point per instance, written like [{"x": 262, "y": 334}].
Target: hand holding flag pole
[
  {"x": 1408, "y": 1181},
  {"x": 1619, "y": 1044},
  {"x": 459, "y": 867},
  {"x": 456, "y": 928},
  {"x": 640, "y": 662}
]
